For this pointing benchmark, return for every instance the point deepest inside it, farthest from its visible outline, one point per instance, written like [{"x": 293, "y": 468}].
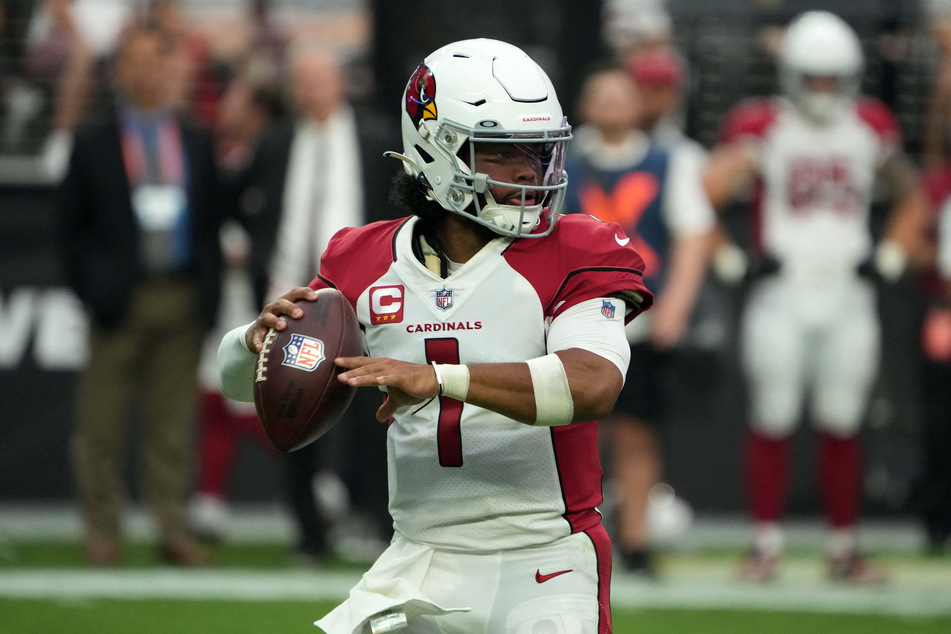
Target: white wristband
[
  {"x": 553, "y": 403},
  {"x": 453, "y": 380}
]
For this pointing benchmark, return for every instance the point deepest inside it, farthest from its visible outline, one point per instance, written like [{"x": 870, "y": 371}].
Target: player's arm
[
  {"x": 579, "y": 380},
  {"x": 239, "y": 348},
  {"x": 730, "y": 170},
  {"x": 906, "y": 235},
  {"x": 688, "y": 264},
  {"x": 692, "y": 220}
]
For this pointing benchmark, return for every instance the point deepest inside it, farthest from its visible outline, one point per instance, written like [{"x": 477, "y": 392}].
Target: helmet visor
[{"x": 531, "y": 162}]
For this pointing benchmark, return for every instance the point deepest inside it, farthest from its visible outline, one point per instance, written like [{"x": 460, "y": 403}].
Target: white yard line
[
  {"x": 272, "y": 523},
  {"x": 917, "y": 589},
  {"x": 895, "y": 599}
]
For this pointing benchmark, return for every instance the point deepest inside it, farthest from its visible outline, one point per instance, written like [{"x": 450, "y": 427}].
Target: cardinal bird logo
[{"x": 421, "y": 95}]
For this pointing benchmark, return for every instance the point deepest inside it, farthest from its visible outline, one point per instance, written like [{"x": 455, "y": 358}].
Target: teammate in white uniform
[
  {"x": 810, "y": 325},
  {"x": 496, "y": 330}
]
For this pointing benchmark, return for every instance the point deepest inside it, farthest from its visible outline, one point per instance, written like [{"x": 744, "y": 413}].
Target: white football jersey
[
  {"x": 461, "y": 476},
  {"x": 816, "y": 182}
]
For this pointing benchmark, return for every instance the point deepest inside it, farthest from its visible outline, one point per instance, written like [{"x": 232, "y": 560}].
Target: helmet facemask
[
  {"x": 820, "y": 106},
  {"x": 515, "y": 209}
]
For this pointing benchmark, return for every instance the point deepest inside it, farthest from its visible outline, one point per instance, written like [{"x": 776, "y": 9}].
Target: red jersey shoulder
[
  {"x": 584, "y": 241},
  {"x": 879, "y": 117},
  {"x": 583, "y": 258},
  {"x": 356, "y": 256},
  {"x": 752, "y": 117}
]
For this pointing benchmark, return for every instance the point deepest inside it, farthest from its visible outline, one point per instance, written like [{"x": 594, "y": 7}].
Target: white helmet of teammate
[
  {"x": 820, "y": 44},
  {"x": 485, "y": 92}
]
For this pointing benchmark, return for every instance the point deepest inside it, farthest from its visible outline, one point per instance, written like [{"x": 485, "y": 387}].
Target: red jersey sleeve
[
  {"x": 748, "y": 119},
  {"x": 879, "y": 117},
  {"x": 582, "y": 259}
]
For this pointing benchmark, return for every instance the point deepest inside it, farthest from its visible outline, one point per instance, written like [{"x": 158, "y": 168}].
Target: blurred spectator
[
  {"x": 139, "y": 233},
  {"x": 810, "y": 324},
  {"x": 9, "y": 78},
  {"x": 53, "y": 36},
  {"x": 319, "y": 170},
  {"x": 223, "y": 421},
  {"x": 659, "y": 76},
  {"x": 252, "y": 101},
  {"x": 267, "y": 38},
  {"x": 69, "y": 44},
  {"x": 53, "y": 43},
  {"x": 634, "y": 26},
  {"x": 937, "y": 125},
  {"x": 193, "y": 85},
  {"x": 250, "y": 104},
  {"x": 655, "y": 193},
  {"x": 932, "y": 499}
]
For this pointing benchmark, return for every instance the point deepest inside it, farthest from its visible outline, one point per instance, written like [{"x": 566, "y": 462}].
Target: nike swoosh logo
[
  {"x": 540, "y": 578},
  {"x": 621, "y": 242}
]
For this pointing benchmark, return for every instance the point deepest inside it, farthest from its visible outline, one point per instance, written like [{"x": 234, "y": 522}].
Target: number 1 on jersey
[{"x": 449, "y": 430}]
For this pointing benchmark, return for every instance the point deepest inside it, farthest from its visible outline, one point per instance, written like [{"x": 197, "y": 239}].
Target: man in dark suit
[{"x": 139, "y": 231}]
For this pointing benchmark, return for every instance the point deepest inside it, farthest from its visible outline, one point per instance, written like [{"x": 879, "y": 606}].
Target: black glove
[{"x": 761, "y": 267}]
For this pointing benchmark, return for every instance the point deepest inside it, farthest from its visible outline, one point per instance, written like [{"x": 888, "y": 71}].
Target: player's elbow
[{"x": 595, "y": 399}]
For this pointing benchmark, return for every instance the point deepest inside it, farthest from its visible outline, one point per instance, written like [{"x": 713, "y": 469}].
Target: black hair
[{"x": 408, "y": 193}]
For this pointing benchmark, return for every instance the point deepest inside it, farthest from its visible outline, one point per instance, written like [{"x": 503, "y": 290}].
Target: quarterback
[{"x": 495, "y": 330}]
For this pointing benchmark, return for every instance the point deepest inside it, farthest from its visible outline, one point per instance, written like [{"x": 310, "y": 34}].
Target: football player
[
  {"x": 811, "y": 159},
  {"x": 496, "y": 330}
]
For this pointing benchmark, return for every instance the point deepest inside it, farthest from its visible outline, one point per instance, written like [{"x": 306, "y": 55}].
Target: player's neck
[{"x": 460, "y": 239}]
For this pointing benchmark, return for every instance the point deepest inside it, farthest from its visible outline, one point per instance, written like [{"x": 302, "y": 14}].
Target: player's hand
[
  {"x": 274, "y": 315},
  {"x": 405, "y": 383}
]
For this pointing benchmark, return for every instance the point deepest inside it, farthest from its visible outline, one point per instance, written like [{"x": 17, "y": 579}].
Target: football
[{"x": 296, "y": 391}]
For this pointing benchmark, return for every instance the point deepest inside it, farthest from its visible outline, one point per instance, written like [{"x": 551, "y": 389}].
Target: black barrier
[{"x": 43, "y": 345}]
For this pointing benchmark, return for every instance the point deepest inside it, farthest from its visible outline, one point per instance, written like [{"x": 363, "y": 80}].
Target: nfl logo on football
[
  {"x": 607, "y": 309},
  {"x": 444, "y": 299},
  {"x": 303, "y": 353}
]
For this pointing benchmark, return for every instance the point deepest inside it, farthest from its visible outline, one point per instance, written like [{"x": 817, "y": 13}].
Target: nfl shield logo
[
  {"x": 607, "y": 309},
  {"x": 303, "y": 353},
  {"x": 444, "y": 299}
]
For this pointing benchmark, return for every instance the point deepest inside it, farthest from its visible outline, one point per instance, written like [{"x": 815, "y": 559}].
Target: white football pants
[{"x": 820, "y": 339}]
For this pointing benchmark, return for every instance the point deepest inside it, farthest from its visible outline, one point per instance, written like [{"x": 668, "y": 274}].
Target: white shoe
[{"x": 208, "y": 517}]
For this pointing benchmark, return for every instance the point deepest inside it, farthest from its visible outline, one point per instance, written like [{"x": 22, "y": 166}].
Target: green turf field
[
  {"x": 207, "y": 617},
  {"x": 257, "y": 587}
]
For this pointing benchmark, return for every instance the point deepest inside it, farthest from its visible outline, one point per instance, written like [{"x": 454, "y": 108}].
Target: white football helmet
[
  {"x": 476, "y": 92},
  {"x": 820, "y": 44}
]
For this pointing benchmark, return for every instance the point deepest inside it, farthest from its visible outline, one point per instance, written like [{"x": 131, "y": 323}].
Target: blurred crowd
[{"x": 296, "y": 153}]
